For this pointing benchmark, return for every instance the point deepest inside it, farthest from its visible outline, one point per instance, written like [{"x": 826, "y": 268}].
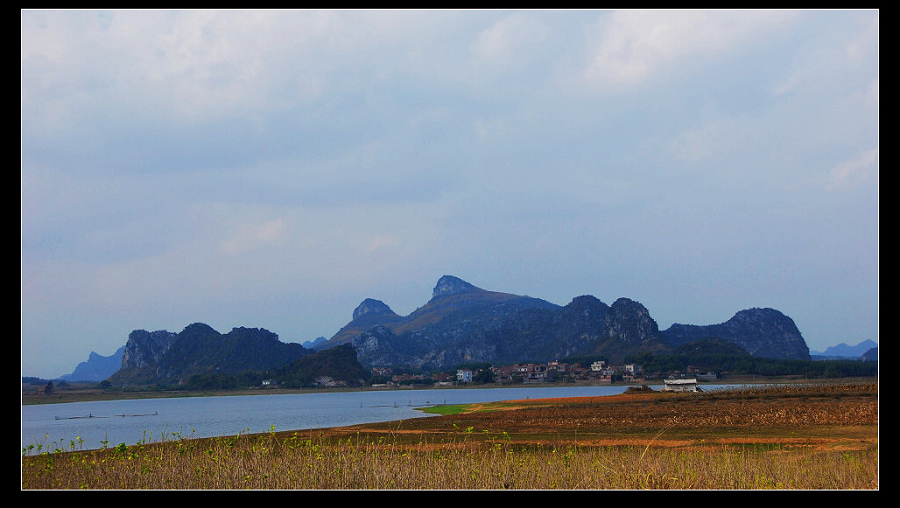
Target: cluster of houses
[
  {"x": 529, "y": 373},
  {"x": 552, "y": 371}
]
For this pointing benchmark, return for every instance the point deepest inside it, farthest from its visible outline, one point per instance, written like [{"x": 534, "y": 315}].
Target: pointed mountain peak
[
  {"x": 450, "y": 285},
  {"x": 371, "y": 306}
]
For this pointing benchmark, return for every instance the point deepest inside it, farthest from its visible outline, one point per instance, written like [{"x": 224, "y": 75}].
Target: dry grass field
[{"x": 805, "y": 436}]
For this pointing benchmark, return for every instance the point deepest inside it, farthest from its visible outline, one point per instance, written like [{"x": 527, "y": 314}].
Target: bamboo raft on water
[{"x": 91, "y": 415}]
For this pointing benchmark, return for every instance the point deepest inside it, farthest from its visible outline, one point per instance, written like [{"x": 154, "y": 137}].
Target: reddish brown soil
[{"x": 833, "y": 418}]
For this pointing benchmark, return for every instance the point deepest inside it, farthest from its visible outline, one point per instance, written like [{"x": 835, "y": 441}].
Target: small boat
[
  {"x": 89, "y": 415},
  {"x": 155, "y": 413}
]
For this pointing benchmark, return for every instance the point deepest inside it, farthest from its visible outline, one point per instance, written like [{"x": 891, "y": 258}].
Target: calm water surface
[{"x": 153, "y": 420}]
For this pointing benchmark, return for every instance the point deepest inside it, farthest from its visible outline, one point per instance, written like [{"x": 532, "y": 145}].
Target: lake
[{"x": 111, "y": 422}]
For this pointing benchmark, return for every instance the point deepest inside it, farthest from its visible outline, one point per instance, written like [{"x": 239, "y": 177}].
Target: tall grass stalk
[{"x": 268, "y": 461}]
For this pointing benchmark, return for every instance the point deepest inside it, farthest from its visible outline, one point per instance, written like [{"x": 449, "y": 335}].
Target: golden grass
[{"x": 273, "y": 462}]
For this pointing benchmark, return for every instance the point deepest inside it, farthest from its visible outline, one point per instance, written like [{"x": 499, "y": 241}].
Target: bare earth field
[{"x": 842, "y": 417}]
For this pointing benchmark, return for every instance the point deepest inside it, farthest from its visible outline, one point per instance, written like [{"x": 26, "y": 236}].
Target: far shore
[{"x": 82, "y": 392}]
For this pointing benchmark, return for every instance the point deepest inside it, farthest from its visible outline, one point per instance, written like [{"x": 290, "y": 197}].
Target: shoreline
[{"x": 85, "y": 392}]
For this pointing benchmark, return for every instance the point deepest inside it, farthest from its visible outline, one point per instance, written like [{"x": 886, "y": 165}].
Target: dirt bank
[{"x": 810, "y": 416}]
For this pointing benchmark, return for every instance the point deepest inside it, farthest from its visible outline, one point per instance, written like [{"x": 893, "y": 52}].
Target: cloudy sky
[{"x": 273, "y": 169}]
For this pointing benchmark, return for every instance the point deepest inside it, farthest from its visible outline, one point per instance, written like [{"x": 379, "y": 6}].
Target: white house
[
  {"x": 680, "y": 385},
  {"x": 464, "y": 376}
]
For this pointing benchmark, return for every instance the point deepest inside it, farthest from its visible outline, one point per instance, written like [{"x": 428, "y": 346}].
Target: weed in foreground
[{"x": 307, "y": 462}]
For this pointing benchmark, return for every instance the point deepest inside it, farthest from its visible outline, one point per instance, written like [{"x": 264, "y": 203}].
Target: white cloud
[
  {"x": 839, "y": 61},
  {"x": 633, "y": 46},
  {"x": 862, "y": 169},
  {"x": 188, "y": 66},
  {"x": 254, "y": 236},
  {"x": 508, "y": 42}
]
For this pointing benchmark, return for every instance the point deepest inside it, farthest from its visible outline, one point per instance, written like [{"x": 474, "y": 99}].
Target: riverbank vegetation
[{"x": 809, "y": 436}]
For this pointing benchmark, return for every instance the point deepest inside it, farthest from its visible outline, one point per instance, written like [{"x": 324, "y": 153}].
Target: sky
[{"x": 273, "y": 169}]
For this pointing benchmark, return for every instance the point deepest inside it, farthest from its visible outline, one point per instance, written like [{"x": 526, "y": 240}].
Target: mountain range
[
  {"x": 842, "y": 350},
  {"x": 461, "y": 323}
]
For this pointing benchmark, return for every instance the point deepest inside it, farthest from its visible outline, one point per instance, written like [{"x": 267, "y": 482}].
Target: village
[{"x": 598, "y": 372}]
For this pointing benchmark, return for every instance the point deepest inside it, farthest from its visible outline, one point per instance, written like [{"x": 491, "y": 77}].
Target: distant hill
[
  {"x": 871, "y": 355},
  {"x": 335, "y": 367},
  {"x": 711, "y": 346},
  {"x": 457, "y": 299},
  {"x": 170, "y": 358},
  {"x": 96, "y": 368},
  {"x": 765, "y": 333},
  {"x": 312, "y": 344},
  {"x": 368, "y": 314},
  {"x": 843, "y": 350},
  {"x": 451, "y": 295}
]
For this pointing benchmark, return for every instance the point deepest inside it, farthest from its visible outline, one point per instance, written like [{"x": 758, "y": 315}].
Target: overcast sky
[{"x": 272, "y": 169}]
